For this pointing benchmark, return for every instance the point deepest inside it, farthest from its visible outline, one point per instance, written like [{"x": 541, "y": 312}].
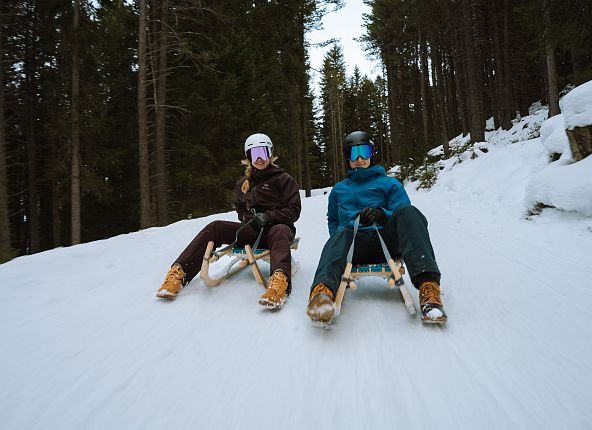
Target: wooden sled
[
  {"x": 241, "y": 258},
  {"x": 392, "y": 271}
]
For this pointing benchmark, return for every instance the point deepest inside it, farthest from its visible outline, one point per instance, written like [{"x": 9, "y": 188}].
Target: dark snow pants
[
  {"x": 276, "y": 238},
  {"x": 405, "y": 234}
]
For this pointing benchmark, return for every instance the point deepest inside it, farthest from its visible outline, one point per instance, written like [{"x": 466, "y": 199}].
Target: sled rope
[{"x": 231, "y": 246}]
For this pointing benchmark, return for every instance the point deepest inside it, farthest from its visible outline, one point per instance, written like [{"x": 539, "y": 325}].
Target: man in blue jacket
[{"x": 381, "y": 200}]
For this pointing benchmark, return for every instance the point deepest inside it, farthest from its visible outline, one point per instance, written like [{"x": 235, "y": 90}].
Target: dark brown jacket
[{"x": 272, "y": 191}]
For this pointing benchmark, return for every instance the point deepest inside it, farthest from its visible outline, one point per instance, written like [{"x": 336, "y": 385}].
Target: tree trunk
[
  {"x": 303, "y": 105},
  {"x": 30, "y": 65},
  {"x": 75, "y": 116},
  {"x": 305, "y": 160},
  {"x": 394, "y": 131},
  {"x": 339, "y": 136},
  {"x": 440, "y": 96},
  {"x": 551, "y": 65},
  {"x": 5, "y": 245},
  {"x": 333, "y": 129},
  {"x": 34, "y": 244},
  {"x": 519, "y": 72},
  {"x": 423, "y": 61},
  {"x": 499, "y": 112},
  {"x": 453, "y": 114},
  {"x": 296, "y": 141},
  {"x": 143, "y": 155},
  {"x": 459, "y": 68},
  {"x": 472, "y": 59},
  {"x": 509, "y": 103},
  {"x": 160, "y": 192}
]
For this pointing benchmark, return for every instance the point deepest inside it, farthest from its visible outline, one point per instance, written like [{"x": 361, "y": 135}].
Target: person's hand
[
  {"x": 370, "y": 216},
  {"x": 260, "y": 220}
]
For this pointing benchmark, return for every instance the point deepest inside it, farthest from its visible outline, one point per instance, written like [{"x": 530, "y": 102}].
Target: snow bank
[
  {"x": 564, "y": 186},
  {"x": 577, "y": 106}
]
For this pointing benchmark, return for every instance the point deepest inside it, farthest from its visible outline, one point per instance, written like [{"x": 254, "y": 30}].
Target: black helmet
[{"x": 356, "y": 138}]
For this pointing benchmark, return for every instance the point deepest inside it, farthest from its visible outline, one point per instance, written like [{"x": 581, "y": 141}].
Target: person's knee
[
  {"x": 280, "y": 231},
  {"x": 342, "y": 234},
  {"x": 211, "y": 227},
  {"x": 408, "y": 211},
  {"x": 405, "y": 209}
]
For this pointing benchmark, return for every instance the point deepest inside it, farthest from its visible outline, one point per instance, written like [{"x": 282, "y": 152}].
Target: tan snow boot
[
  {"x": 172, "y": 283},
  {"x": 321, "y": 304},
  {"x": 430, "y": 303},
  {"x": 276, "y": 294}
]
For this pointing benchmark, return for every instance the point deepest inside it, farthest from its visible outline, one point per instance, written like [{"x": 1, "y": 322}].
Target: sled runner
[
  {"x": 392, "y": 270},
  {"x": 240, "y": 258}
]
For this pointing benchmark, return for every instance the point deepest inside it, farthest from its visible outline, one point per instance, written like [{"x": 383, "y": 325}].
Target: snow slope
[{"x": 84, "y": 344}]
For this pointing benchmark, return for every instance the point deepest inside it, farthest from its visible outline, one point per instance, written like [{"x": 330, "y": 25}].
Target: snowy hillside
[{"x": 84, "y": 344}]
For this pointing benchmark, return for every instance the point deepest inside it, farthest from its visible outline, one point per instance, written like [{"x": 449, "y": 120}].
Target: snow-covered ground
[{"x": 84, "y": 344}]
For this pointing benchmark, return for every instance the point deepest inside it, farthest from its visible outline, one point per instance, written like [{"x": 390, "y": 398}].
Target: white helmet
[{"x": 258, "y": 139}]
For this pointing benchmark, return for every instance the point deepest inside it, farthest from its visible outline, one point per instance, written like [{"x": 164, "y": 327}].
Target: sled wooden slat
[
  {"x": 345, "y": 280},
  {"x": 256, "y": 270},
  {"x": 242, "y": 257}
]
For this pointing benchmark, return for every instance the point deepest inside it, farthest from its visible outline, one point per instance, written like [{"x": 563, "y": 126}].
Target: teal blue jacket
[{"x": 364, "y": 188}]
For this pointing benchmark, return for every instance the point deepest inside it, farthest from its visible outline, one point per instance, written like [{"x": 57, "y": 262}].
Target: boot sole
[
  {"x": 166, "y": 296},
  {"x": 271, "y": 305},
  {"x": 439, "y": 321}
]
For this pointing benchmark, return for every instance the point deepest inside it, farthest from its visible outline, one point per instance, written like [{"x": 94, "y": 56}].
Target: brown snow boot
[
  {"x": 321, "y": 304},
  {"x": 172, "y": 283},
  {"x": 276, "y": 294},
  {"x": 430, "y": 303}
]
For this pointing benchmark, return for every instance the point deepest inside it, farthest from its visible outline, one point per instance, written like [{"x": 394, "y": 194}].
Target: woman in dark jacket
[{"x": 266, "y": 198}]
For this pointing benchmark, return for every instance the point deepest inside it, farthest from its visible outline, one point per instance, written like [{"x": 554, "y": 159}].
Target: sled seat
[
  {"x": 392, "y": 272},
  {"x": 369, "y": 269},
  {"x": 382, "y": 270}
]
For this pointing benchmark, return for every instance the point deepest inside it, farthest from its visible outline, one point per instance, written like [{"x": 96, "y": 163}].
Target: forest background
[{"x": 121, "y": 115}]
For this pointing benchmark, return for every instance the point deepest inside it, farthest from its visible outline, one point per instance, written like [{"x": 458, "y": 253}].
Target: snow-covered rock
[
  {"x": 564, "y": 186},
  {"x": 577, "y": 106}
]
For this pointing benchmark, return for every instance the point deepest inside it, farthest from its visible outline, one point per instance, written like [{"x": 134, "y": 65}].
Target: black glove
[
  {"x": 260, "y": 220},
  {"x": 370, "y": 216}
]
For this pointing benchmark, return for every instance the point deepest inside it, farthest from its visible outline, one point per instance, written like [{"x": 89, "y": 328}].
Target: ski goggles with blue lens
[
  {"x": 364, "y": 151},
  {"x": 258, "y": 152}
]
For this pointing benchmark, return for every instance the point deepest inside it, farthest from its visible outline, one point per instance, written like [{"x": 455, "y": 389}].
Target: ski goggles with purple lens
[
  {"x": 258, "y": 152},
  {"x": 364, "y": 151}
]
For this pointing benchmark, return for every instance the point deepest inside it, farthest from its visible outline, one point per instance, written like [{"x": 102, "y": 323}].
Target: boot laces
[
  {"x": 430, "y": 293},
  {"x": 279, "y": 282},
  {"x": 321, "y": 289},
  {"x": 175, "y": 274}
]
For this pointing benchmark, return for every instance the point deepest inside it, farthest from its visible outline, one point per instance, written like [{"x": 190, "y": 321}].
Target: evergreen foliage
[{"x": 217, "y": 71}]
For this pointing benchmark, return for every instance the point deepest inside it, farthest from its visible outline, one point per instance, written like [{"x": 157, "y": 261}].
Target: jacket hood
[{"x": 365, "y": 175}]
